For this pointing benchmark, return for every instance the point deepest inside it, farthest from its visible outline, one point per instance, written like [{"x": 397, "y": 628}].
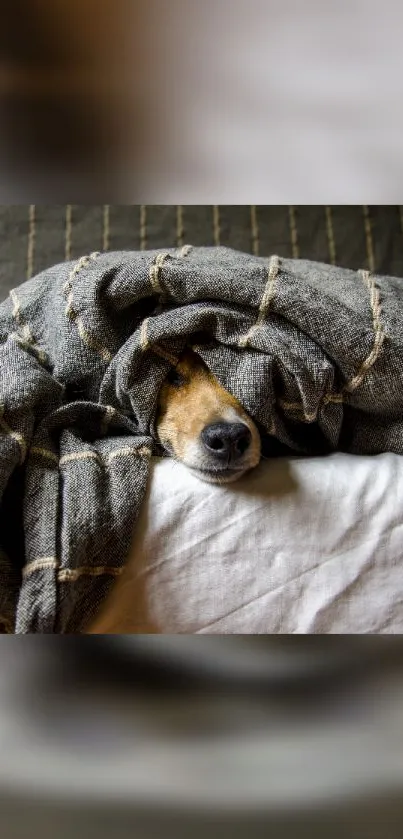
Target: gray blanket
[{"x": 313, "y": 352}]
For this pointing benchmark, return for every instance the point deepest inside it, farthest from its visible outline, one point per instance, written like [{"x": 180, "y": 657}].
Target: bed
[{"x": 308, "y": 545}]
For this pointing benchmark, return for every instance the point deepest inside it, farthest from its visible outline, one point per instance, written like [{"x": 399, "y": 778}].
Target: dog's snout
[{"x": 226, "y": 440}]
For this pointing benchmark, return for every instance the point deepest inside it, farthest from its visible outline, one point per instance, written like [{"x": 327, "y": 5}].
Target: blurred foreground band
[
  {"x": 188, "y": 102},
  {"x": 145, "y": 737}
]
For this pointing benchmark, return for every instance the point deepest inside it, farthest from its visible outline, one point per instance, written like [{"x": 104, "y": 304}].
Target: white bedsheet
[{"x": 298, "y": 546}]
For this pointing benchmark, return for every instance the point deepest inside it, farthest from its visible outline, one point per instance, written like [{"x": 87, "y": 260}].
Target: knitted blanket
[{"x": 313, "y": 352}]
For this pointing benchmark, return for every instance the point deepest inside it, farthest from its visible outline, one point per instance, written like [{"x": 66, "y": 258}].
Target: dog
[{"x": 202, "y": 425}]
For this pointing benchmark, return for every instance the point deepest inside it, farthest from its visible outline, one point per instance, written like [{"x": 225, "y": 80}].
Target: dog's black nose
[{"x": 226, "y": 440}]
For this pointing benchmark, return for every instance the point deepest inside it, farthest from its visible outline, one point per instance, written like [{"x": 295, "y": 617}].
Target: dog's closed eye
[{"x": 176, "y": 378}]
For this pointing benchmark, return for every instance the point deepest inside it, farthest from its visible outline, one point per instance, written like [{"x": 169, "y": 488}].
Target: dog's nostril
[
  {"x": 216, "y": 443},
  {"x": 228, "y": 440},
  {"x": 243, "y": 442}
]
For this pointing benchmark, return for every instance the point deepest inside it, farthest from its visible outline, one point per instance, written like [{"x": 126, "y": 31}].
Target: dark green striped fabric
[{"x": 35, "y": 237}]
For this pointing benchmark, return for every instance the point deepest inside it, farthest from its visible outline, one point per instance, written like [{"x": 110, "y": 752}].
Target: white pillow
[{"x": 309, "y": 545}]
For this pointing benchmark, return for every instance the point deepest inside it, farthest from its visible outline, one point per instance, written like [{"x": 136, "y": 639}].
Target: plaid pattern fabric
[{"x": 314, "y": 353}]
